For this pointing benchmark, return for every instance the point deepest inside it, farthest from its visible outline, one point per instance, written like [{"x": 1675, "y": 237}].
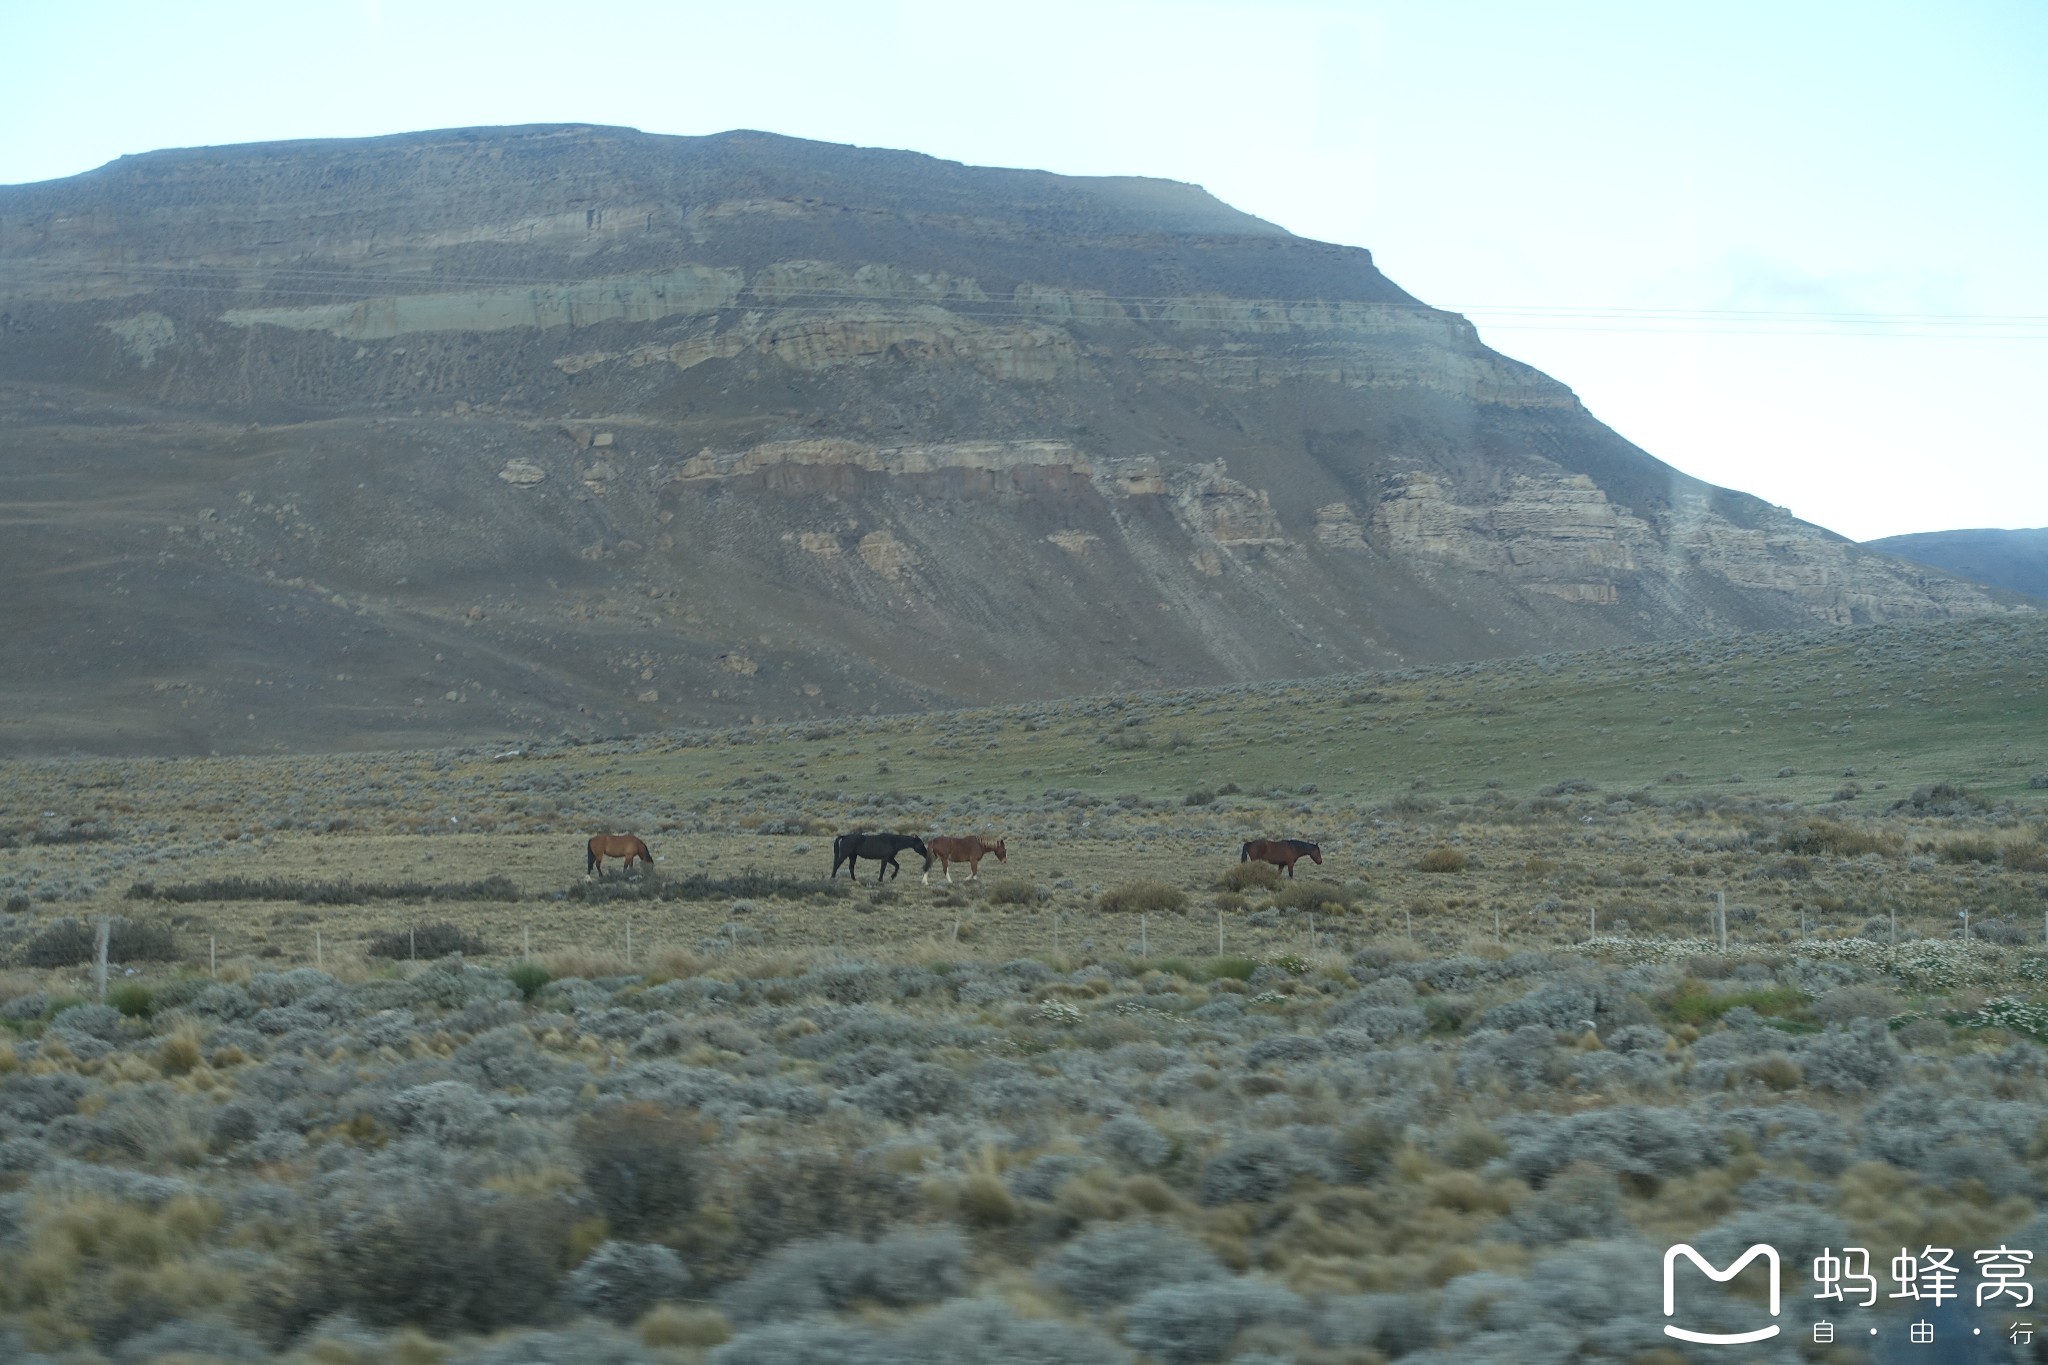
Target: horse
[
  {"x": 602, "y": 846},
  {"x": 1280, "y": 852},
  {"x": 969, "y": 849},
  {"x": 881, "y": 848}
]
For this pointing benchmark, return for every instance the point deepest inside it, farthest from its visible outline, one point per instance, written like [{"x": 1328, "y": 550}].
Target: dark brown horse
[
  {"x": 1283, "y": 853},
  {"x": 602, "y": 846},
  {"x": 969, "y": 849}
]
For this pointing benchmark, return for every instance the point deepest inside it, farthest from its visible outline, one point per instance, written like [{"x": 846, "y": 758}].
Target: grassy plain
[
  {"x": 1619, "y": 789},
  {"x": 1441, "y": 1098}
]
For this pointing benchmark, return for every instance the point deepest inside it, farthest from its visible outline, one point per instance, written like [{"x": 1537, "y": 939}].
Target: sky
[{"x": 1794, "y": 248}]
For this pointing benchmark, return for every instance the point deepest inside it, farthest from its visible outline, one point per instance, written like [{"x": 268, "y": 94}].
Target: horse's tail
[
  {"x": 590, "y": 856},
  {"x": 1244, "y": 855}
]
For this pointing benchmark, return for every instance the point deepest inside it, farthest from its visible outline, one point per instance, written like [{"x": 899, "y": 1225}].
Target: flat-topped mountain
[
  {"x": 2014, "y": 560},
  {"x": 489, "y": 432}
]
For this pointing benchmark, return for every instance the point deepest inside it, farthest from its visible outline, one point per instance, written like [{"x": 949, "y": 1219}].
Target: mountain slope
[
  {"x": 527, "y": 430},
  {"x": 2016, "y": 561}
]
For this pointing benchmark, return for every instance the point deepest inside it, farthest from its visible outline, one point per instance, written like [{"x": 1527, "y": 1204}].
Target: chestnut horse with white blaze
[
  {"x": 969, "y": 849},
  {"x": 1283, "y": 853},
  {"x": 602, "y": 846}
]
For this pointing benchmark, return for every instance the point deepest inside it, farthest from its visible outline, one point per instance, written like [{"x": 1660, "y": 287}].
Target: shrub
[
  {"x": 1693, "y": 1002},
  {"x": 1150, "y": 896},
  {"x": 781, "y": 1197},
  {"x": 1845, "y": 1003},
  {"x": 623, "y": 1280},
  {"x": 324, "y": 893},
  {"x": 1967, "y": 850},
  {"x": 1471, "y": 1144},
  {"x": 968, "y": 1330},
  {"x": 988, "y": 1330},
  {"x": 1442, "y": 859},
  {"x": 1131, "y": 1139},
  {"x": 1810, "y": 837},
  {"x": 642, "y": 1166},
  {"x": 426, "y": 942},
  {"x": 900, "y": 1270},
  {"x": 1255, "y": 1170},
  {"x": 1114, "y": 1263},
  {"x": 446, "y": 1259},
  {"x": 1249, "y": 877},
  {"x": 450, "y": 1113},
  {"x": 1375, "y": 1025},
  {"x": 1581, "y": 1201},
  {"x": 1013, "y": 891},
  {"x": 132, "y": 998},
  {"x": 2031, "y": 857},
  {"x": 1943, "y": 798},
  {"x": 747, "y": 884},
  {"x": 1366, "y": 1149},
  {"x": 70, "y": 943},
  {"x": 1317, "y": 894},
  {"x": 905, "y": 1092},
  {"x": 1187, "y": 1323},
  {"x": 1851, "y": 1060},
  {"x": 1523, "y": 1059},
  {"x": 1284, "y": 1047},
  {"x": 985, "y": 1202},
  {"x": 1628, "y": 1139},
  {"x": 587, "y": 1343},
  {"x": 529, "y": 977}
]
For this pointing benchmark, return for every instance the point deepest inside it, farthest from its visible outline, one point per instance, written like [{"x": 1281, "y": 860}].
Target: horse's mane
[{"x": 1299, "y": 845}]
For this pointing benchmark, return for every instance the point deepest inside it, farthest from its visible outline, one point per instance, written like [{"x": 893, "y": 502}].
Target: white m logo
[{"x": 1671, "y": 1256}]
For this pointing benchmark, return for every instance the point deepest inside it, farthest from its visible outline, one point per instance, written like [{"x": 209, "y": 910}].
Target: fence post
[
  {"x": 1144, "y": 943},
  {"x": 412, "y": 943},
  {"x": 1219, "y": 929},
  {"x": 629, "y": 941},
  {"x": 1721, "y": 917},
  {"x": 319, "y": 959},
  {"x": 99, "y": 957},
  {"x": 526, "y": 940},
  {"x": 212, "y": 955}
]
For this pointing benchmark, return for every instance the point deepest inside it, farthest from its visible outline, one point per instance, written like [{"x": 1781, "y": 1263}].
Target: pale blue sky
[{"x": 1794, "y": 248}]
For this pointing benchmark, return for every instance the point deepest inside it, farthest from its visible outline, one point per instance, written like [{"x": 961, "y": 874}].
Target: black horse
[{"x": 881, "y": 848}]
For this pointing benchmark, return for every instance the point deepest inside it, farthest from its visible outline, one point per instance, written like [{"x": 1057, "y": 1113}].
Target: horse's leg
[
  {"x": 946, "y": 864},
  {"x": 974, "y": 868}
]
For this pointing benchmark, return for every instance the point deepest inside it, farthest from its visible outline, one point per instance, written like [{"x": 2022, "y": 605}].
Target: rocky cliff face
[{"x": 535, "y": 429}]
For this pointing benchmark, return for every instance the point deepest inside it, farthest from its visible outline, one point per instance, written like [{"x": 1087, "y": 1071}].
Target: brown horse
[
  {"x": 1280, "y": 852},
  {"x": 602, "y": 846},
  {"x": 969, "y": 849}
]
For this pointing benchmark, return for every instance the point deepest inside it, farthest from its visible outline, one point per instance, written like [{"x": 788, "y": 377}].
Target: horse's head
[
  {"x": 917, "y": 845},
  {"x": 1315, "y": 851},
  {"x": 1001, "y": 851}
]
